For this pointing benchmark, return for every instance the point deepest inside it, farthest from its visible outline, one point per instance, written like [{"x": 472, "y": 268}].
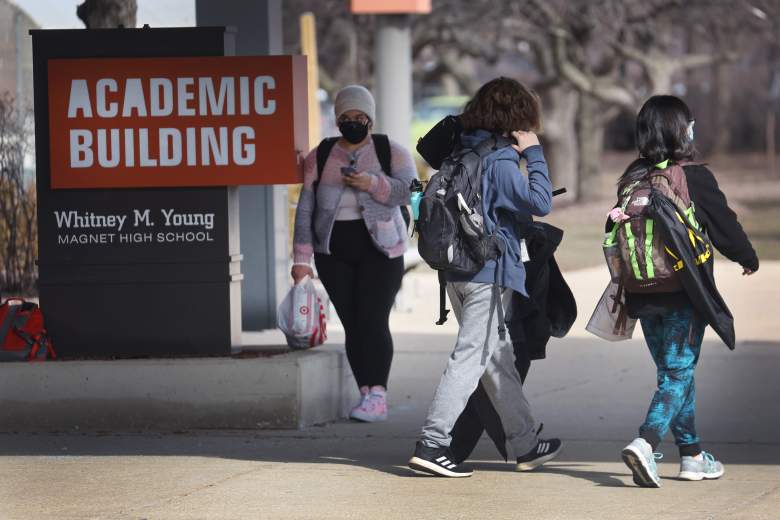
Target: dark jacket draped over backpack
[{"x": 549, "y": 311}]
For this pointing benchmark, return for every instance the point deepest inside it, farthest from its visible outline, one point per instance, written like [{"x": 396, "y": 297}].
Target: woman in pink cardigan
[{"x": 350, "y": 222}]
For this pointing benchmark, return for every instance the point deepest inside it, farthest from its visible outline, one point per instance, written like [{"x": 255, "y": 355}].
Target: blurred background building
[{"x": 16, "y": 52}]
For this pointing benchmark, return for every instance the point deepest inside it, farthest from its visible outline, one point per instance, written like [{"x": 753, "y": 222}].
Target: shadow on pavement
[
  {"x": 591, "y": 394},
  {"x": 600, "y": 478},
  {"x": 573, "y": 470},
  {"x": 385, "y": 455}
]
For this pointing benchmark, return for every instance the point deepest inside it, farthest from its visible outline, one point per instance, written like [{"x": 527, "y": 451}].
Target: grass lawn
[{"x": 751, "y": 192}]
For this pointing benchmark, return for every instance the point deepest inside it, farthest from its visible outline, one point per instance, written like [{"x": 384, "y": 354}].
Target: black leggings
[
  {"x": 362, "y": 283},
  {"x": 469, "y": 426}
]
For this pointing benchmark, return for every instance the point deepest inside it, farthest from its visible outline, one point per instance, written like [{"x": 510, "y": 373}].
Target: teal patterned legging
[{"x": 674, "y": 338}]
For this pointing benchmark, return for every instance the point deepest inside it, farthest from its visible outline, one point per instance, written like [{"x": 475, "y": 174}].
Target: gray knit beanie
[{"x": 355, "y": 97}]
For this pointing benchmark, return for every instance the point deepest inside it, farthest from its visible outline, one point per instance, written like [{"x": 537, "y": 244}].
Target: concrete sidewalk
[
  {"x": 590, "y": 393},
  {"x": 752, "y": 300}
]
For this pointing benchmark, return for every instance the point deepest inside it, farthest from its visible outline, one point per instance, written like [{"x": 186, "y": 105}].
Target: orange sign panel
[
  {"x": 155, "y": 122},
  {"x": 391, "y": 6}
]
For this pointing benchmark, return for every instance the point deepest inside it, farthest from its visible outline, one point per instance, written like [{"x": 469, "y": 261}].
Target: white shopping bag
[
  {"x": 609, "y": 320},
  {"x": 301, "y": 316}
]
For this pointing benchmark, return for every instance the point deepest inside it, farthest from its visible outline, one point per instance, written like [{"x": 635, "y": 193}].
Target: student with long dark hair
[{"x": 672, "y": 327}]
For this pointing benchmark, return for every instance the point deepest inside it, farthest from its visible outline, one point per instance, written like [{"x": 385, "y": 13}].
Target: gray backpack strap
[
  {"x": 498, "y": 301},
  {"x": 500, "y": 309}
]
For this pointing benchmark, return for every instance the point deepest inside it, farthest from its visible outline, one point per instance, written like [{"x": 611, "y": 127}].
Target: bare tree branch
[
  {"x": 18, "y": 224},
  {"x": 601, "y": 88}
]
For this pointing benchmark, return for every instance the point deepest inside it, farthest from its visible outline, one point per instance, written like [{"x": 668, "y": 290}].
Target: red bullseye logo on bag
[{"x": 153, "y": 122}]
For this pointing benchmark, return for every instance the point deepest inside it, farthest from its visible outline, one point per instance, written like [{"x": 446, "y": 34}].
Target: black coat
[
  {"x": 550, "y": 310},
  {"x": 717, "y": 218},
  {"x": 698, "y": 281}
]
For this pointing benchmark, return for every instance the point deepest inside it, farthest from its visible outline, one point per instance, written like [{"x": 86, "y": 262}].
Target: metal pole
[{"x": 393, "y": 75}]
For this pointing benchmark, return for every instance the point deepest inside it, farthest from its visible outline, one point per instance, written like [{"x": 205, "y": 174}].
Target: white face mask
[{"x": 690, "y": 130}]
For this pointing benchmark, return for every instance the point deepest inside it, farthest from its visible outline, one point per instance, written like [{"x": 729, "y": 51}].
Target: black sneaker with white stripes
[
  {"x": 437, "y": 461},
  {"x": 544, "y": 451}
]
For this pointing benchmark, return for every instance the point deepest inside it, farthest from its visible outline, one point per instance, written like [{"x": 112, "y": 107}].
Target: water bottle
[{"x": 417, "y": 193}]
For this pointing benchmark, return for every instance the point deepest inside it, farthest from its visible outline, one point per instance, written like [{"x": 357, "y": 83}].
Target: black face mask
[{"x": 353, "y": 131}]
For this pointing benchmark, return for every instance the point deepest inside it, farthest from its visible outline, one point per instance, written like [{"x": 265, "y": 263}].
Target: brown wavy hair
[{"x": 503, "y": 105}]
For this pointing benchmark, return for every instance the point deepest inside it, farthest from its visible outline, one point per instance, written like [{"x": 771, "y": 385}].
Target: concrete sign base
[{"x": 284, "y": 391}]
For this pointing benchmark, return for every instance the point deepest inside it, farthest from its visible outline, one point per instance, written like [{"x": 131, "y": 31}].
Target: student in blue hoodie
[{"x": 510, "y": 199}]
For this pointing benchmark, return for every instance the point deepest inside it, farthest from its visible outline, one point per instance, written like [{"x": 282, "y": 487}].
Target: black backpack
[
  {"x": 451, "y": 231},
  {"x": 383, "y": 153},
  {"x": 440, "y": 141}
]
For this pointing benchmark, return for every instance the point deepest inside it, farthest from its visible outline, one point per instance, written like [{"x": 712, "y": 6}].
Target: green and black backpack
[{"x": 635, "y": 249}]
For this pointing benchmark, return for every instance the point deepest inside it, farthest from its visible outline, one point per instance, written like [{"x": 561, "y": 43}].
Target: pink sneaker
[
  {"x": 363, "y": 396},
  {"x": 373, "y": 407}
]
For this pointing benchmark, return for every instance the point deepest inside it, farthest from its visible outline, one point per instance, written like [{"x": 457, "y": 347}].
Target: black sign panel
[{"x": 134, "y": 272}]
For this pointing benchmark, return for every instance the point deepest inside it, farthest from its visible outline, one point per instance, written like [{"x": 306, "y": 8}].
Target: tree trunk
[
  {"x": 560, "y": 137},
  {"x": 462, "y": 69},
  {"x": 107, "y": 14},
  {"x": 773, "y": 104},
  {"x": 450, "y": 85},
  {"x": 771, "y": 152},
  {"x": 591, "y": 126},
  {"x": 347, "y": 72},
  {"x": 660, "y": 75},
  {"x": 721, "y": 73}
]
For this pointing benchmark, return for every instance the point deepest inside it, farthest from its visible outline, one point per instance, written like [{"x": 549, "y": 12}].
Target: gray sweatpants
[{"x": 479, "y": 354}]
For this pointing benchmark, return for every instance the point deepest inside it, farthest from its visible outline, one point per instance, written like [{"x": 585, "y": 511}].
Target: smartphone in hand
[{"x": 348, "y": 170}]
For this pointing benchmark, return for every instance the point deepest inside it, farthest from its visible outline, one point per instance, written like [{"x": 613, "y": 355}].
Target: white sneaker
[
  {"x": 373, "y": 408},
  {"x": 363, "y": 396},
  {"x": 640, "y": 459},
  {"x": 706, "y": 468}
]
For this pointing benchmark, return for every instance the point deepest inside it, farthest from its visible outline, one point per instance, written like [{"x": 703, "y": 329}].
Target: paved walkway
[
  {"x": 752, "y": 300},
  {"x": 590, "y": 393}
]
